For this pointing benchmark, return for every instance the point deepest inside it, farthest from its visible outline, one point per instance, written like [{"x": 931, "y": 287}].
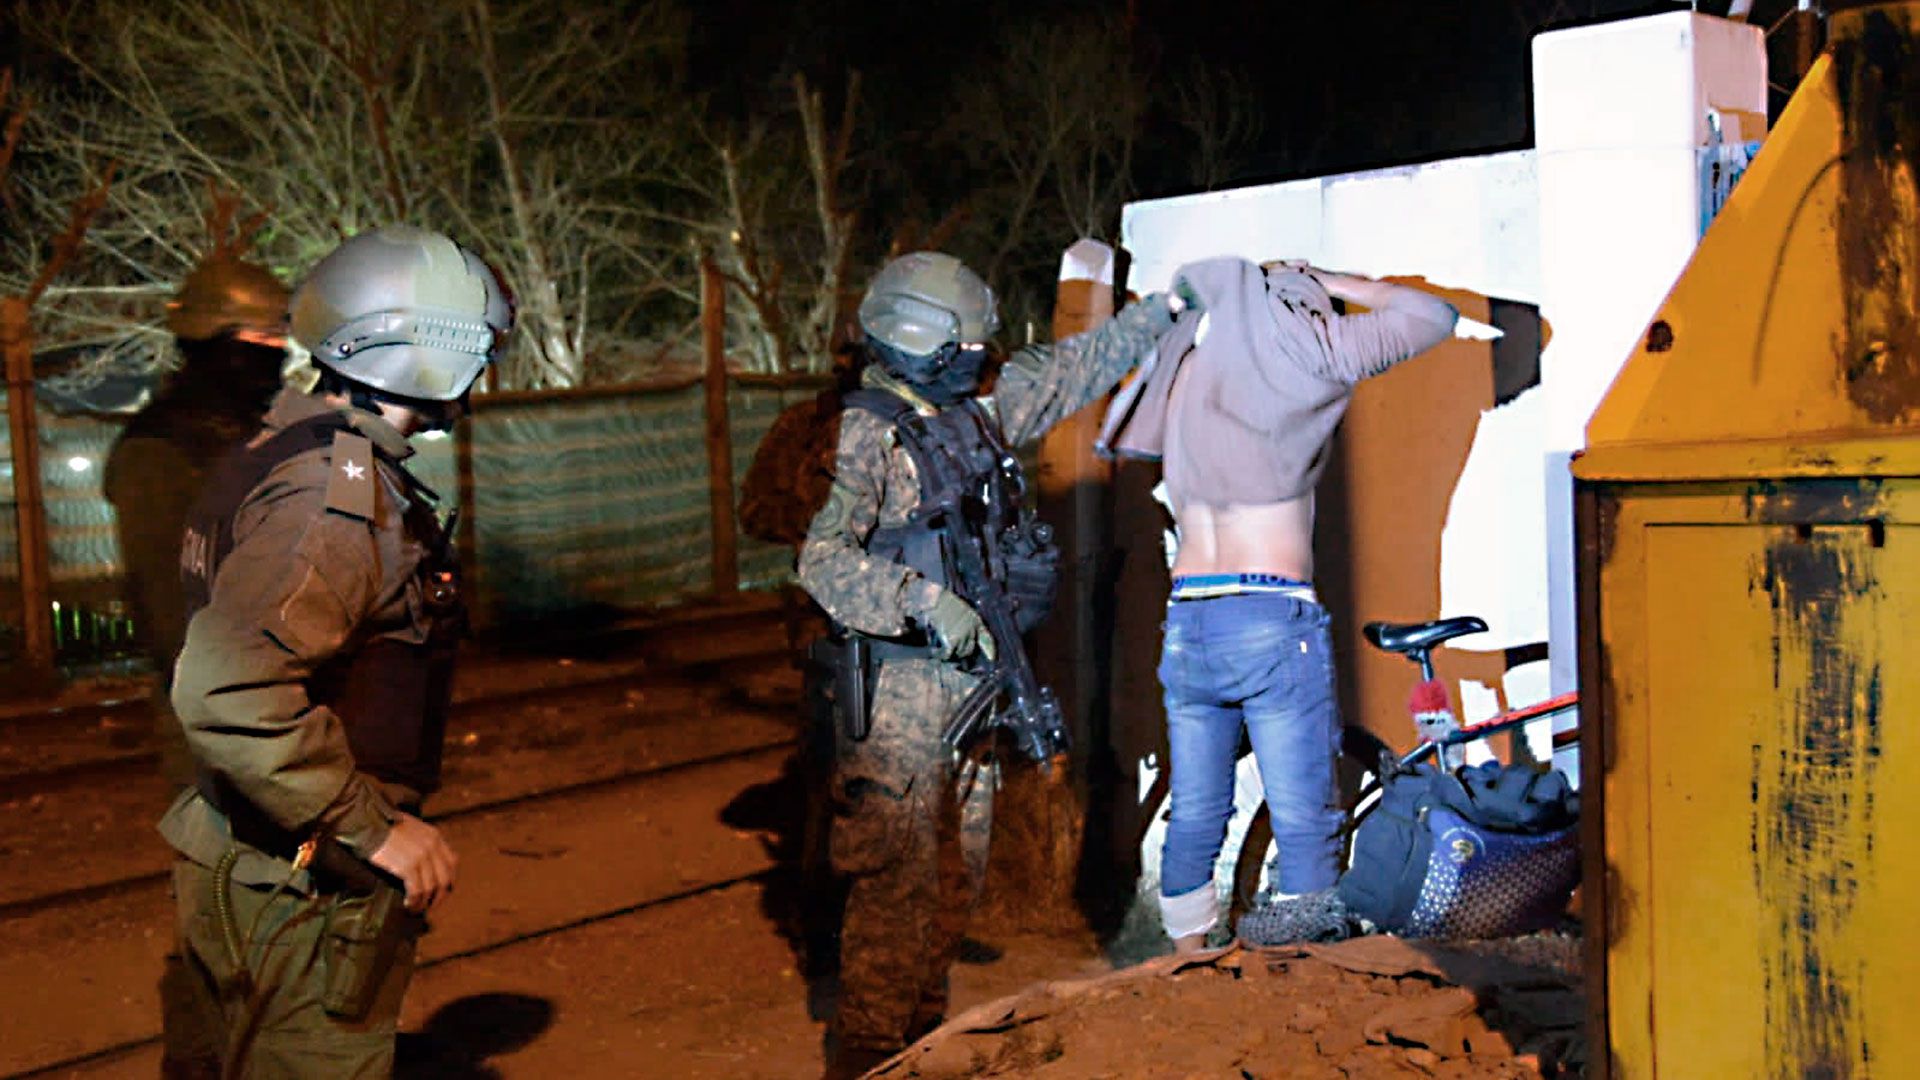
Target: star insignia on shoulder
[{"x": 353, "y": 471}]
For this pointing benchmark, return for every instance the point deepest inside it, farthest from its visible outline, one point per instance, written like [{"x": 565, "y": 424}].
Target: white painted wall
[
  {"x": 1470, "y": 223},
  {"x": 1620, "y": 112},
  {"x": 1592, "y": 227}
]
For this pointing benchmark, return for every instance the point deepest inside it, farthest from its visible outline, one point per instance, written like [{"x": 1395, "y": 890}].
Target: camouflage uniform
[
  {"x": 326, "y": 559},
  {"x": 911, "y": 825}
]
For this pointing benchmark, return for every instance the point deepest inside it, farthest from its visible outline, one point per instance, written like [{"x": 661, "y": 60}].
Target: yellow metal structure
[{"x": 1750, "y": 599}]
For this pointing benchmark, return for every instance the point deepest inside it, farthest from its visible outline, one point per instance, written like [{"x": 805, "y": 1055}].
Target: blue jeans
[{"x": 1266, "y": 661}]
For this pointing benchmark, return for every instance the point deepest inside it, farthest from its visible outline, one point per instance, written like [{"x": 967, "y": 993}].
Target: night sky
[{"x": 1344, "y": 84}]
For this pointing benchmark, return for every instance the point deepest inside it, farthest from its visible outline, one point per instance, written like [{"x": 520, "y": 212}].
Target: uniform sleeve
[
  {"x": 285, "y": 600},
  {"x": 1364, "y": 345},
  {"x": 1042, "y": 385},
  {"x": 872, "y": 595}
]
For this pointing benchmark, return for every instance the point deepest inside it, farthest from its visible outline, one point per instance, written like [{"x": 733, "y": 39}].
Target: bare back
[{"x": 1270, "y": 538}]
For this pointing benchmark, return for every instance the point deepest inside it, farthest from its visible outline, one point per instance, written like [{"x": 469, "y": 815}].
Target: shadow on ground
[
  {"x": 803, "y": 898},
  {"x": 457, "y": 1040}
]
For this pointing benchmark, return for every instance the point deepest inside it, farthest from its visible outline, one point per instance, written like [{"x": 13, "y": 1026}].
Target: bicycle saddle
[{"x": 1412, "y": 638}]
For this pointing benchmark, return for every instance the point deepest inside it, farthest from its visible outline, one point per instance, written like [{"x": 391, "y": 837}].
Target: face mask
[
  {"x": 242, "y": 367},
  {"x": 948, "y": 376}
]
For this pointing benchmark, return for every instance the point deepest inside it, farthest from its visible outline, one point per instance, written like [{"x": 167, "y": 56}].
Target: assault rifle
[{"x": 1011, "y": 696}]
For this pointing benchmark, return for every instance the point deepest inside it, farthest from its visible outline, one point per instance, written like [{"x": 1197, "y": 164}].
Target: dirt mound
[{"x": 1372, "y": 1007}]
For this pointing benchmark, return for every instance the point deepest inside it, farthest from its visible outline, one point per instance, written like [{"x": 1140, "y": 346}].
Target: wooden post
[
  {"x": 1041, "y": 817},
  {"x": 713, "y": 338},
  {"x": 1075, "y": 497},
  {"x": 30, "y": 513}
]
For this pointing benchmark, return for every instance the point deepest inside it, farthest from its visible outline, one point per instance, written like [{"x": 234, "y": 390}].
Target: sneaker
[{"x": 1315, "y": 916}]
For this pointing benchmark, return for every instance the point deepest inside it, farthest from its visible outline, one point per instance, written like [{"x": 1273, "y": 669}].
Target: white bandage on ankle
[{"x": 1190, "y": 913}]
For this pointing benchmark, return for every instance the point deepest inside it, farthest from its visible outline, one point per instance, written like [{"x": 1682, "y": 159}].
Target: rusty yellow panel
[
  {"x": 1627, "y": 834},
  {"x": 1743, "y": 345},
  {"x": 1795, "y": 457},
  {"x": 1764, "y": 784},
  {"x": 1800, "y": 310}
]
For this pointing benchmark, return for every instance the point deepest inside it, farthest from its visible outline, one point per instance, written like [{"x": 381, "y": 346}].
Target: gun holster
[
  {"x": 366, "y": 928},
  {"x": 848, "y": 661}
]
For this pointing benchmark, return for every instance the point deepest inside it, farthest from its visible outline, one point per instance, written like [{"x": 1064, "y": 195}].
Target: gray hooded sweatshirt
[{"x": 1262, "y": 394}]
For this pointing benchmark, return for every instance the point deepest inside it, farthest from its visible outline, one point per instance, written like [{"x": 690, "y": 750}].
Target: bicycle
[{"x": 1441, "y": 735}]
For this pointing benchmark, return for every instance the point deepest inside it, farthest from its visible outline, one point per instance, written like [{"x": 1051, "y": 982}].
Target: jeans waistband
[{"x": 1209, "y": 586}]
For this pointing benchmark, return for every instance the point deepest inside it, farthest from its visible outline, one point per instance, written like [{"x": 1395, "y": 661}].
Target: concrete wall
[
  {"x": 1442, "y": 502},
  {"x": 1620, "y": 112}
]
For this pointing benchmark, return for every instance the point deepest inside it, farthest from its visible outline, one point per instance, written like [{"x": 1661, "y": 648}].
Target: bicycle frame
[{"x": 1500, "y": 722}]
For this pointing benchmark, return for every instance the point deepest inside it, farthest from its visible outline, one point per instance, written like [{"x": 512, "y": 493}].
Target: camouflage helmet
[
  {"x": 224, "y": 295},
  {"x": 404, "y": 311},
  {"x": 920, "y": 302}
]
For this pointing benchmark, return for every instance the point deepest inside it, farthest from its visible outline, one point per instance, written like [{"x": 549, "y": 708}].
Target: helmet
[
  {"x": 404, "y": 311},
  {"x": 923, "y": 301},
  {"x": 224, "y": 294}
]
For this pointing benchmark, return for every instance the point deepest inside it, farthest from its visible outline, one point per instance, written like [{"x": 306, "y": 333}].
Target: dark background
[{"x": 1341, "y": 85}]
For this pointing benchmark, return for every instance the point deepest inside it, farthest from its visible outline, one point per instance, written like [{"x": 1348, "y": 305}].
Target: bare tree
[
  {"x": 105, "y": 305},
  {"x": 523, "y": 128},
  {"x": 785, "y": 238},
  {"x": 1219, "y": 110},
  {"x": 585, "y": 116},
  {"x": 308, "y": 109},
  {"x": 1050, "y": 129}
]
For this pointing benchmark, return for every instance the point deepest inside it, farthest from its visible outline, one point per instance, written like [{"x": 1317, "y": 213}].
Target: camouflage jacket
[
  {"x": 875, "y": 483},
  {"x": 301, "y": 584}
]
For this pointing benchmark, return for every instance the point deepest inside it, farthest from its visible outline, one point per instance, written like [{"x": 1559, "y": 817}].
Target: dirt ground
[
  {"x": 651, "y": 930},
  {"x": 1372, "y": 1007}
]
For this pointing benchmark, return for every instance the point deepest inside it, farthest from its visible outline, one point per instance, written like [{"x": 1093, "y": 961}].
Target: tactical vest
[
  {"x": 1023, "y": 557},
  {"x": 391, "y": 696}
]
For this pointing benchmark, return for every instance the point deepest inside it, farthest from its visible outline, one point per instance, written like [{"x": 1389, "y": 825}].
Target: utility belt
[
  {"x": 330, "y": 866},
  {"x": 850, "y": 665}
]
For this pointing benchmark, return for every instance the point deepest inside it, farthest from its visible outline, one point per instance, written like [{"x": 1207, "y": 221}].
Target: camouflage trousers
[
  {"x": 281, "y": 1030},
  {"x": 911, "y": 829}
]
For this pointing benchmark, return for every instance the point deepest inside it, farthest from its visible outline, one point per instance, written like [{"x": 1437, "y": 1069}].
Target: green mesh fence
[{"x": 590, "y": 503}]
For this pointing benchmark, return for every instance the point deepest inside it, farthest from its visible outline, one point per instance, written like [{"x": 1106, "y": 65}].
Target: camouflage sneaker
[{"x": 1314, "y": 916}]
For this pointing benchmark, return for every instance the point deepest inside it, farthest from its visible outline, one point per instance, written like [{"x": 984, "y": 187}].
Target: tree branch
[
  {"x": 10, "y": 135},
  {"x": 67, "y": 244}
]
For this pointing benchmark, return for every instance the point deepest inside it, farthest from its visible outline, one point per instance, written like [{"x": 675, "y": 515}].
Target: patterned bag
[{"x": 1489, "y": 852}]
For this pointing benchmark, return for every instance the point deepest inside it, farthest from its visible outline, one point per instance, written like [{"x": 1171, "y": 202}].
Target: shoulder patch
[{"x": 350, "y": 486}]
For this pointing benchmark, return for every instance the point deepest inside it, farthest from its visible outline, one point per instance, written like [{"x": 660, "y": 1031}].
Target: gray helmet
[
  {"x": 223, "y": 295},
  {"x": 405, "y": 311},
  {"x": 920, "y": 302}
]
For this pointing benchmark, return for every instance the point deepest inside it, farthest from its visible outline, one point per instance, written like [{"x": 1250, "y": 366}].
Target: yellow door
[{"x": 1764, "y": 792}]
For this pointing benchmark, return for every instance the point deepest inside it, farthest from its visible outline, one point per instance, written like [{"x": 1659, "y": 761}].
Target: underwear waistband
[{"x": 1209, "y": 586}]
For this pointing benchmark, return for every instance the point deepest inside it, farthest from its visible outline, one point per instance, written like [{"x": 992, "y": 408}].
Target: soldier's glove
[{"x": 956, "y": 629}]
